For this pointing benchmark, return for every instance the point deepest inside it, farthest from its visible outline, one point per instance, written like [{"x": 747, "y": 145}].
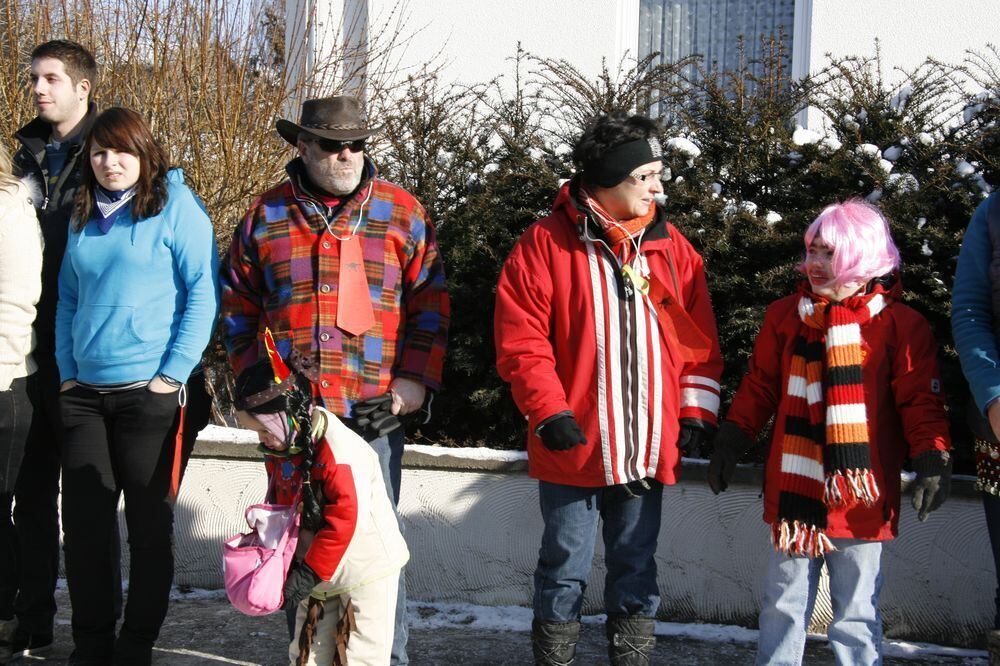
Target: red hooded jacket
[{"x": 569, "y": 337}]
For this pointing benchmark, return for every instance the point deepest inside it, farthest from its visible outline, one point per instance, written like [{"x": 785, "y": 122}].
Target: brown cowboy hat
[{"x": 341, "y": 118}]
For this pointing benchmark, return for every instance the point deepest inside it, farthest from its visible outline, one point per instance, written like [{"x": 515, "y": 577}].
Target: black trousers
[
  {"x": 114, "y": 444},
  {"x": 36, "y": 499},
  {"x": 15, "y": 420}
]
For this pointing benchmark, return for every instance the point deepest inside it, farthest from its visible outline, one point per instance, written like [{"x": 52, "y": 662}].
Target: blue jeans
[
  {"x": 631, "y": 528},
  {"x": 855, "y": 634},
  {"x": 991, "y": 506}
]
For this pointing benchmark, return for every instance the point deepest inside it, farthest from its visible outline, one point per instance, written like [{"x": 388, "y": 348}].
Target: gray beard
[{"x": 341, "y": 186}]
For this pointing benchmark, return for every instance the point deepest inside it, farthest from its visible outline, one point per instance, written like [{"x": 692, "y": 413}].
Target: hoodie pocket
[{"x": 103, "y": 333}]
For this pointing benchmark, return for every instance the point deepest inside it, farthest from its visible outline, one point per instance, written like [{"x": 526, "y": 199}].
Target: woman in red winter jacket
[{"x": 851, "y": 376}]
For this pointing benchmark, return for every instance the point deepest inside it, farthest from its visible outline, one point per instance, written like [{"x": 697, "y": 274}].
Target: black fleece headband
[{"x": 615, "y": 165}]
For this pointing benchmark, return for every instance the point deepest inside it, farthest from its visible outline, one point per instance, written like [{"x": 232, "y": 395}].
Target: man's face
[
  {"x": 336, "y": 171},
  {"x": 57, "y": 98}
]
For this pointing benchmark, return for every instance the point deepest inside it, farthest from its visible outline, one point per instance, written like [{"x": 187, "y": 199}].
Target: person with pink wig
[{"x": 850, "y": 375}]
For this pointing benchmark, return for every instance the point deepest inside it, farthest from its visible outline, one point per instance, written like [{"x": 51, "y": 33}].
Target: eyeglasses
[
  {"x": 335, "y": 146},
  {"x": 643, "y": 177}
]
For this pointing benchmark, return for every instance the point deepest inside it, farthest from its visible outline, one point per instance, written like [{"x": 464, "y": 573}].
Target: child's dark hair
[
  {"x": 298, "y": 408},
  {"x": 606, "y": 132}
]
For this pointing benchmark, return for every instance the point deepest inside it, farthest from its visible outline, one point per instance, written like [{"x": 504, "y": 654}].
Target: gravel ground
[{"x": 203, "y": 629}]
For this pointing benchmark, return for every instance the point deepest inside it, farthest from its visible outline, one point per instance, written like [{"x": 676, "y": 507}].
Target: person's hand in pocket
[{"x": 158, "y": 385}]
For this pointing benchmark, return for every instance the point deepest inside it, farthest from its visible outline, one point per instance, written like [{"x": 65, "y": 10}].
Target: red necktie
[{"x": 355, "y": 314}]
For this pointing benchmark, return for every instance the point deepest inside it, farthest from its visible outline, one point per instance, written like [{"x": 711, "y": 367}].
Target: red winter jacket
[
  {"x": 558, "y": 356},
  {"x": 903, "y": 401}
]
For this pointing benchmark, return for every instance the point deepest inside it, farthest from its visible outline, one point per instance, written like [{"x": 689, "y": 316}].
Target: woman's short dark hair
[
  {"x": 606, "y": 132},
  {"x": 126, "y": 131}
]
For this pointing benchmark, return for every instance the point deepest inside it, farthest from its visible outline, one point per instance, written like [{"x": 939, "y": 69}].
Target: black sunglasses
[{"x": 335, "y": 146}]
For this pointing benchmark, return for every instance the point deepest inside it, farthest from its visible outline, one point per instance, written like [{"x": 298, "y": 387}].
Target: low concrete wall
[{"x": 473, "y": 526}]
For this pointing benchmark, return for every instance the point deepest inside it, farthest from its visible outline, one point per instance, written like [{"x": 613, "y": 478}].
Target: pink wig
[{"x": 860, "y": 238}]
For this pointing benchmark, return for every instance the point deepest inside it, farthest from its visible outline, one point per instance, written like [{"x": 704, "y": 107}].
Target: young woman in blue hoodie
[{"x": 137, "y": 302}]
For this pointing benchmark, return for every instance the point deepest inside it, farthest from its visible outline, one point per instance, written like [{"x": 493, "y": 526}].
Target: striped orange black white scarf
[{"x": 825, "y": 456}]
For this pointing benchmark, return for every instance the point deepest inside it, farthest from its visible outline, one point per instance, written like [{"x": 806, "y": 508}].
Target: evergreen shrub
[{"x": 745, "y": 181}]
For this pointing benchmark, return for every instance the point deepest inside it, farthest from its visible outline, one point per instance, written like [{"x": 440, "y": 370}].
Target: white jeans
[
  {"x": 855, "y": 634},
  {"x": 374, "y": 611}
]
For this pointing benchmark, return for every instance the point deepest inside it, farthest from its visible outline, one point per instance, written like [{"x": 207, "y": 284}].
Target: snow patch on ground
[{"x": 428, "y": 615}]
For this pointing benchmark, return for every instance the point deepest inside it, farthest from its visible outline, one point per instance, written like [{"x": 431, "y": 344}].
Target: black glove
[
  {"x": 627, "y": 491},
  {"x": 375, "y": 415},
  {"x": 730, "y": 444},
  {"x": 933, "y": 482},
  {"x": 693, "y": 434},
  {"x": 561, "y": 433},
  {"x": 299, "y": 583}
]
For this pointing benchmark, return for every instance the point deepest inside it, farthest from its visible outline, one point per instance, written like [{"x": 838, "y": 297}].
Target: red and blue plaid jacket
[{"x": 281, "y": 272}]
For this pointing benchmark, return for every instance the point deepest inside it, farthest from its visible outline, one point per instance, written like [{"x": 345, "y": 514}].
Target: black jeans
[
  {"x": 15, "y": 420},
  {"x": 36, "y": 503},
  {"x": 117, "y": 443}
]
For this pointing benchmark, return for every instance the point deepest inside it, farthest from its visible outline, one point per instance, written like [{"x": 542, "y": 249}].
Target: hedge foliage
[
  {"x": 746, "y": 180},
  {"x": 487, "y": 160}
]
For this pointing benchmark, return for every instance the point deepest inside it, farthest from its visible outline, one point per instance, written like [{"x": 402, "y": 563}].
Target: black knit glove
[
  {"x": 730, "y": 444},
  {"x": 375, "y": 415},
  {"x": 693, "y": 435},
  {"x": 933, "y": 483},
  {"x": 299, "y": 583},
  {"x": 561, "y": 433}
]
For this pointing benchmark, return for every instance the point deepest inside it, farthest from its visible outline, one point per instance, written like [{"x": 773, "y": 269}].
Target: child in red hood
[{"x": 851, "y": 376}]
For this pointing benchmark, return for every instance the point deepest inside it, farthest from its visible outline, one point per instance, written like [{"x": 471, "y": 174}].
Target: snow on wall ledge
[{"x": 473, "y": 525}]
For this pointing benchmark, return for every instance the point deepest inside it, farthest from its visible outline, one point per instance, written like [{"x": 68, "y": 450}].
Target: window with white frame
[{"x": 712, "y": 28}]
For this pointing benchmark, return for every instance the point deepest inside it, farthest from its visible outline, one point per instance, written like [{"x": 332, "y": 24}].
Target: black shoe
[
  {"x": 76, "y": 660},
  {"x": 30, "y": 645}
]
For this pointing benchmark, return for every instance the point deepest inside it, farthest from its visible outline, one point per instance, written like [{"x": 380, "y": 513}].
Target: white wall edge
[{"x": 801, "y": 49}]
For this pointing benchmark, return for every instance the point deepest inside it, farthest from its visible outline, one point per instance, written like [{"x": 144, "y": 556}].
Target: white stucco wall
[
  {"x": 474, "y": 528},
  {"x": 473, "y": 40},
  {"x": 908, "y": 30}
]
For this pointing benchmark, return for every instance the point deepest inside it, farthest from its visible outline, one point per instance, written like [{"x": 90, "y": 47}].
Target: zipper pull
[{"x": 45, "y": 204}]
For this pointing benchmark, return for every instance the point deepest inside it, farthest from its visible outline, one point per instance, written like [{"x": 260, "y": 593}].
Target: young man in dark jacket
[{"x": 63, "y": 76}]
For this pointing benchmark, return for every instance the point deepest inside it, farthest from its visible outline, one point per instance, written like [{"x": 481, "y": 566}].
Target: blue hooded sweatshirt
[{"x": 142, "y": 299}]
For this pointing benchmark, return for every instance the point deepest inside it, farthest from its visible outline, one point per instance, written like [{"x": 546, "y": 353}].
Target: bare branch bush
[
  {"x": 207, "y": 74},
  {"x": 569, "y": 98}
]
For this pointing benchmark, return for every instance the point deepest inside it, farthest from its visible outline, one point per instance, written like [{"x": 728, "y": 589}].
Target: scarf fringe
[
  {"x": 851, "y": 487},
  {"x": 797, "y": 538}
]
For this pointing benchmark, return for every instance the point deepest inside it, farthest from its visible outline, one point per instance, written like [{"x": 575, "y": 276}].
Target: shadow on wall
[{"x": 474, "y": 538}]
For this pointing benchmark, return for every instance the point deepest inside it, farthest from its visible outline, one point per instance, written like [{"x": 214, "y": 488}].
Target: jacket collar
[
  {"x": 36, "y": 133},
  {"x": 568, "y": 204}
]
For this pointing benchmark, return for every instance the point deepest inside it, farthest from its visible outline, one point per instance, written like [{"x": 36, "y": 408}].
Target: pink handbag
[{"x": 255, "y": 563}]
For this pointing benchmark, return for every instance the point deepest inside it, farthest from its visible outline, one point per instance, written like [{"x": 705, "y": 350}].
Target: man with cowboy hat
[{"x": 343, "y": 268}]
